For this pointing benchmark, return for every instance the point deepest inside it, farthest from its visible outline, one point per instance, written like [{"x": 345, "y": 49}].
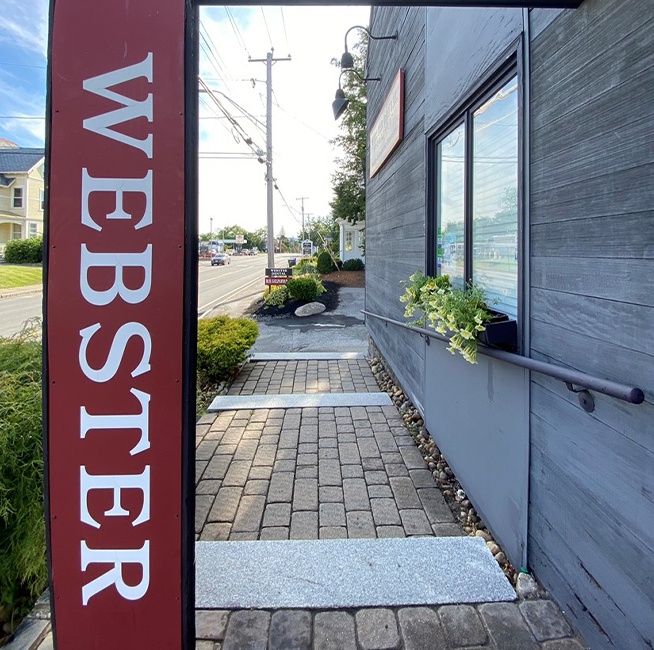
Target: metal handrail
[{"x": 631, "y": 394}]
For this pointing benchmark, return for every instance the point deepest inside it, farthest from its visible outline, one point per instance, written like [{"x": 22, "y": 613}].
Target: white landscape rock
[{"x": 310, "y": 309}]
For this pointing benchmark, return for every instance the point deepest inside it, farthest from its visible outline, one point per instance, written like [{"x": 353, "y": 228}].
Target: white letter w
[{"x": 132, "y": 109}]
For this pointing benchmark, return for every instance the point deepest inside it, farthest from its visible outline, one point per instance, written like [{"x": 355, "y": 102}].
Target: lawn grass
[{"x": 19, "y": 275}]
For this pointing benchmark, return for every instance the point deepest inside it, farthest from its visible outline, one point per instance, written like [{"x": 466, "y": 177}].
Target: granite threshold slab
[
  {"x": 347, "y": 573},
  {"x": 297, "y": 400},
  {"x": 307, "y": 356}
]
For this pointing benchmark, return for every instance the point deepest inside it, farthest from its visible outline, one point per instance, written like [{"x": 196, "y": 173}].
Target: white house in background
[
  {"x": 352, "y": 238},
  {"x": 21, "y": 192}
]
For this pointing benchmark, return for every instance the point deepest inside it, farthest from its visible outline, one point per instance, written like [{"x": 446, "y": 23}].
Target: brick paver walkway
[
  {"x": 314, "y": 473},
  {"x": 306, "y": 376},
  {"x": 323, "y": 473}
]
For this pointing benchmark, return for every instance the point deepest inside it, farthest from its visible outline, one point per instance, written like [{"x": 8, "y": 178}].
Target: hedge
[
  {"x": 305, "y": 288},
  {"x": 23, "y": 571},
  {"x": 24, "y": 251},
  {"x": 353, "y": 265},
  {"x": 325, "y": 263},
  {"x": 222, "y": 346}
]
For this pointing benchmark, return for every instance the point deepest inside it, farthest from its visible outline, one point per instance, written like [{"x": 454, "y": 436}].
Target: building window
[
  {"x": 33, "y": 229},
  {"x": 475, "y": 199},
  {"x": 349, "y": 241},
  {"x": 16, "y": 232},
  {"x": 17, "y": 201},
  {"x": 42, "y": 199}
]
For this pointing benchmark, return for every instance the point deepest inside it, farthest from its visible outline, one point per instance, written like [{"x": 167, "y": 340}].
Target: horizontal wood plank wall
[
  {"x": 462, "y": 44},
  {"x": 592, "y": 306},
  {"x": 395, "y": 226}
]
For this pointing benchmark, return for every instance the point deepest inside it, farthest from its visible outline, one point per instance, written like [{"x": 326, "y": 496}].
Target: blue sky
[
  {"x": 232, "y": 188},
  {"x": 23, "y": 47}
]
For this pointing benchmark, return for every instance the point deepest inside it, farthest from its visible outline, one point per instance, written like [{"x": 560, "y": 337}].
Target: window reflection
[
  {"x": 495, "y": 198},
  {"x": 451, "y": 206}
]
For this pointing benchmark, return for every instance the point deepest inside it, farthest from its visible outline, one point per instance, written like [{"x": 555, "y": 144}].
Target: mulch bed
[
  {"x": 332, "y": 282},
  {"x": 260, "y": 311}
]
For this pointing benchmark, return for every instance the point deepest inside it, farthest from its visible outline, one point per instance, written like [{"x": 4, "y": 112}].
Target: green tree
[
  {"x": 259, "y": 238},
  {"x": 349, "y": 181},
  {"x": 322, "y": 231}
]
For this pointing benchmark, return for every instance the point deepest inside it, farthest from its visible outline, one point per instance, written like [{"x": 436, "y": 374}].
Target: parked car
[{"x": 220, "y": 259}]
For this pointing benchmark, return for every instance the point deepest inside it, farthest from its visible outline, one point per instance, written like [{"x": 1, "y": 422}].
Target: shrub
[
  {"x": 222, "y": 346},
  {"x": 353, "y": 265},
  {"x": 23, "y": 572},
  {"x": 305, "y": 288},
  {"x": 306, "y": 266},
  {"x": 325, "y": 263},
  {"x": 24, "y": 251},
  {"x": 276, "y": 296}
]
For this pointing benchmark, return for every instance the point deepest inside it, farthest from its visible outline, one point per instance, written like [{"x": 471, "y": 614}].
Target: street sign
[
  {"x": 278, "y": 276},
  {"x": 240, "y": 239},
  {"x": 118, "y": 327},
  {"x": 307, "y": 247}
]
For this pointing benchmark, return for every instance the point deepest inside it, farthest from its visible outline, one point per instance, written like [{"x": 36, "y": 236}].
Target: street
[{"x": 220, "y": 288}]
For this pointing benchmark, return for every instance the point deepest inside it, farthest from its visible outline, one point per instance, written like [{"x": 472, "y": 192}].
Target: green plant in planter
[
  {"x": 459, "y": 313},
  {"x": 419, "y": 290}
]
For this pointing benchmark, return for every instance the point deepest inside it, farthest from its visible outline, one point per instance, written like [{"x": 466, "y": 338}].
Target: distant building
[
  {"x": 22, "y": 187},
  {"x": 351, "y": 236}
]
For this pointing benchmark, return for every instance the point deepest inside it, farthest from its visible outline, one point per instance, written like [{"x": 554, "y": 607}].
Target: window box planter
[{"x": 501, "y": 332}]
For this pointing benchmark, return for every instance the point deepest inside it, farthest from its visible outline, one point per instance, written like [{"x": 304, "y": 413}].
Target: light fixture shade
[
  {"x": 347, "y": 61},
  {"x": 339, "y": 105}
]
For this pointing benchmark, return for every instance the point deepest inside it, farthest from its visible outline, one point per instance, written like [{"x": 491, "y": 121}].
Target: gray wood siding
[
  {"x": 591, "y": 276},
  {"x": 462, "y": 44},
  {"x": 395, "y": 225},
  {"x": 592, "y": 308}
]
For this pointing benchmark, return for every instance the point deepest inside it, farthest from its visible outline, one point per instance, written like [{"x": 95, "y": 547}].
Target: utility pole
[
  {"x": 301, "y": 198},
  {"x": 269, "y": 60}
]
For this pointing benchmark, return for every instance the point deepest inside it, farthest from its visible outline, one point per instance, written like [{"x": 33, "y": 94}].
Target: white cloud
[{"x": 25, "y": 24}]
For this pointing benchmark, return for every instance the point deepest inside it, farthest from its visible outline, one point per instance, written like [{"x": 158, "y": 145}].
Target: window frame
[
  {"x": 509, "y": 65},
  {"x": 348, "y": 240},
  {"x": 21, "y": 196}
]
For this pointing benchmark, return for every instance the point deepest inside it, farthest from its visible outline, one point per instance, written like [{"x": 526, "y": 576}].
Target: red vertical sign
[{"x": 114, "y": 316}]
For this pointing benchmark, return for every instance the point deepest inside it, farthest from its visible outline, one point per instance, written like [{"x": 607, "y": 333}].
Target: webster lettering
[{"x": 117, "y": 256}]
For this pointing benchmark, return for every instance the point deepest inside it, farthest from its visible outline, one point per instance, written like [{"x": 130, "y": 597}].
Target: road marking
[{"x": 205, "y": 309}]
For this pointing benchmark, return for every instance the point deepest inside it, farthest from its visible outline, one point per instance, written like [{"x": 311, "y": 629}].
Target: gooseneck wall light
[
  {"x": 340, "y": 101},
  {"x": 347, "y": 61},
  {"x": 347, "y": 65}
]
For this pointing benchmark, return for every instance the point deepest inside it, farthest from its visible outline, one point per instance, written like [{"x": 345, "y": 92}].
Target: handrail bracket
[{"x": 584, "y": 396}]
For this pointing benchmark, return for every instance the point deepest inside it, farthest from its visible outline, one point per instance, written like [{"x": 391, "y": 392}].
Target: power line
[
  {"x": 265, "y": 22},
  {"x": 258, "y": 123},
  {"x": 288, "y": 47},
  {"x": 288, "y": 207},
  {"x": 213, "y": 57},
  {"x": 211, "y": 108},
  {"x": 237, "y": 31},
  {"x": 241, "y": 131},
  {"x": 24, "y": 65}
]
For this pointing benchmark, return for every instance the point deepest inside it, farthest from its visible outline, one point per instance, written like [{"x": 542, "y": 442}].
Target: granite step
[
  {"x": 347, "y": 573},
  {"x": 297, "y": 400}
]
